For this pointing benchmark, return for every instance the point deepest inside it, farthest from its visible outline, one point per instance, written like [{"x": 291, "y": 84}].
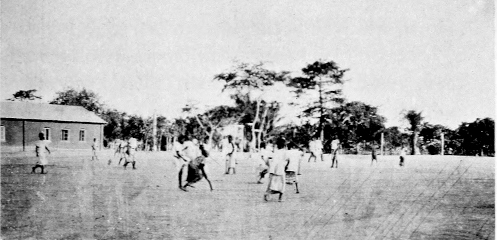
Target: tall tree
[
  {"x": 24, "y": 95},
  {"x": 354, "y": 123},
  {"x": 325, "y": 78},
  {"x": 430, "y": 136},
  {"x": 213, "y": 119},
  {"x": 85, "y": 98},
  {"x": 476, "y": 138},
  {"x": 414, "y": 118},
  {"x": 251, "y": 80}
]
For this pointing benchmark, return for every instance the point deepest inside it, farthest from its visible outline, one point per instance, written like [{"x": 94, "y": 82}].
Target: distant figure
[
  {"x": 335, "y": 146},
  {"x": 263, "y": 160},
  {"x": 294, "y": 157},
  {"x": 276, "y": 171},
  {"x": 402, "y": 156},
  {"x": 130, "y": 152},
  {"x": 319, "y": 149},
  {"x": 121, "y": 149},
  {"x": 94, "y": 147},
  {"x": 230, "y": 161},
  {"x": 312, "y": 149},
  {"x": 41, "y": 149},
  {"x": 196, "y": 169},
  {"x": 373, "y": 155}
]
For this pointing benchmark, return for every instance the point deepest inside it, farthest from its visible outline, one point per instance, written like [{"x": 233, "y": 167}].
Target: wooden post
[
  {"x": 23, "y": 136},
  {"x": 381, "y": 144},
  {"x": 442, "y": 143},
  {"x": 154, "y": 133}
]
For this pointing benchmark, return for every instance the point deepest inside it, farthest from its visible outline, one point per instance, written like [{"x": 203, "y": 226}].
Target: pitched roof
[{"x": 48, "y": 112}]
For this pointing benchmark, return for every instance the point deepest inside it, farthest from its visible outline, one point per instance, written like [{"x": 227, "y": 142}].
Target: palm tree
[{"x": 414, "y": 118}]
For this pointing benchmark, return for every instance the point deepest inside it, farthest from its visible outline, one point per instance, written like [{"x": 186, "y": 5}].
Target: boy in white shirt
[
  {"x": 94, "y": 148},
  {"x": 230, "y": 161},
  {"x": 41, "y": 146},
  {"x": 181, "y": 160},
  {"x": 335, "y": 145},
  {"x": 277, "y": 171},
  {"x": 294, "y": 157},
  {"x": 132, "y": 145}
]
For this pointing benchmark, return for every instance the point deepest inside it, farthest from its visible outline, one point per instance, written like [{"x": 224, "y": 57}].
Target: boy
[
  {"x": 265, "y": 154},
  {"x": 130, "y": 153},
  {"x": 312, "y": 149},
  {"x": 230, "y": 161},
  {"x": 402, "y": 156},
  {"x": 335, "y": 145},
  {"x": 276, "y": 171},
  {"x": 41, "y": 146},
  {"x": 196, "y": 169},
  {"x": 373, "y": 155},
  {"x": 181, "y": 160},
  {"x": 294, "y": 157},
  {"x": 94, "y": 148}
]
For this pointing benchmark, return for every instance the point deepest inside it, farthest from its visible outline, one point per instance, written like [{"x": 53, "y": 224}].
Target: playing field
[{"x": 432, "y": 197}]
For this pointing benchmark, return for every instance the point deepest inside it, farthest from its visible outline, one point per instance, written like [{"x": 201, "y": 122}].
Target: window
[
  {"x": 46, "y": 132},
  {"x": 2, "y": 133},
  {"x": 65, "y": 135},
  {"x": 82, "y": 135}
]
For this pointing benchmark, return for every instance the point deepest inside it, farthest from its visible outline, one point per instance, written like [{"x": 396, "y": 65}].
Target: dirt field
[{"x": 432, "y": 197}]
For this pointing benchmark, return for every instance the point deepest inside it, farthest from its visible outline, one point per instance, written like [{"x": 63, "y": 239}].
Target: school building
[{"x": 66, "y": 127}]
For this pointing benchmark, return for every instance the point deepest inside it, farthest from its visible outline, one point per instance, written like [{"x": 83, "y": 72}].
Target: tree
[
  {"x": 24, "y": 95},
  {"x": 414, "y": 118},
  {"x": 476, "y": 138},
  {"x": 323, "y": 77},
  {"x": 430, "y": 137},
  {"x": 251, "y": 80},
  {"x": 211, "y": 120},
  {"x": 85, "y": 98},
  {"x": 354, "y": 123},
  {"x": 114, "y": 128},
  {"x": 394, "y": 138}
]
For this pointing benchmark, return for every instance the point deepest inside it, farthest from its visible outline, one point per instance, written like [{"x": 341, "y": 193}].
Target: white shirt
[
  {"x": 334, "y": 144},
  {"x": 133, "y": 143},
  {"x": 278, "y": 162},
  {"x": 190, "y": 150},
  {"x": 294, "y": 156},
  {"x": 318, "y": 146},
  {"x": 41, "y": 147},
  {"x": 177, "y": 147}
]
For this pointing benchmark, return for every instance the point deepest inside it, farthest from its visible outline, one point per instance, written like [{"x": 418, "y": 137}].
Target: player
[
  {"x": 94, "y": 148},
  {"x": 276, "y": 171},
  {"x": 373, "y": 155},
  {"x": 41, "y": 149},
  {"x": 196, "y": 169},
  {"x": 335, "y": 146},
  {"x": 230, "y": 161},
  {"x": 402, "y": 156},
  {"x": 294, "y": 157},
  {"x": 130, "y": 152}
]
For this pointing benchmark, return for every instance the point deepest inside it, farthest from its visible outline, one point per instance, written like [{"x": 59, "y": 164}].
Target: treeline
[{"x": 325, "y": 114}]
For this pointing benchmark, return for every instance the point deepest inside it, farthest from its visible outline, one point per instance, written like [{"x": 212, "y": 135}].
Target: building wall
[{"x": 14, "y": 134}]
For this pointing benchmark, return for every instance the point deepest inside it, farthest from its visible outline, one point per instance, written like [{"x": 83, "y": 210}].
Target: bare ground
[{"x": 432, "y": 197}]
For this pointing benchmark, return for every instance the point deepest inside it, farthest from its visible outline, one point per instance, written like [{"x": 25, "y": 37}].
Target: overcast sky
[{"x": 140, "y": 56}]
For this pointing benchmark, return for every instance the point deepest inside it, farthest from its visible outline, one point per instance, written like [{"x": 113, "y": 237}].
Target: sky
[{"x": 144, "y": 56}]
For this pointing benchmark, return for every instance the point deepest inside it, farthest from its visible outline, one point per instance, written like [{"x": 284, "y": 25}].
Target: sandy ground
[{"x": 432, "y": 197}]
